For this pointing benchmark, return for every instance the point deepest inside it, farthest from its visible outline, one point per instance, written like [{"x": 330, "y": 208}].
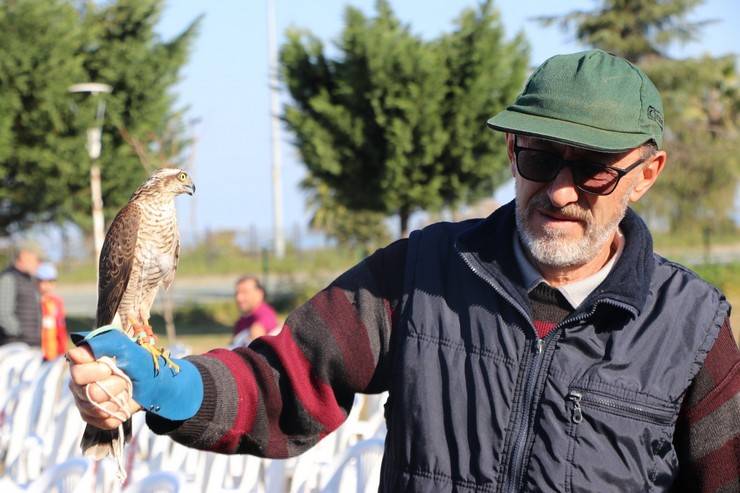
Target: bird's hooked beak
[{"x": 190, "y": 189}]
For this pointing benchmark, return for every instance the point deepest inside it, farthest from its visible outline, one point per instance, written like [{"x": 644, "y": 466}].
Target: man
[
  {"x": 545, "y": 348},
  {"x": 53, "y": 320},
  {"x": 257, "y": 317},
  {"x": 20, "y": 305}
]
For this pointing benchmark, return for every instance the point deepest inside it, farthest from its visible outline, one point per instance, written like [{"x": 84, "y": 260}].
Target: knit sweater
[{"x": 283, "y": 393}]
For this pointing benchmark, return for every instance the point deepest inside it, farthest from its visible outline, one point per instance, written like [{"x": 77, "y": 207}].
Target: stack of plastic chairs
[{"x": 40, "y": 431}]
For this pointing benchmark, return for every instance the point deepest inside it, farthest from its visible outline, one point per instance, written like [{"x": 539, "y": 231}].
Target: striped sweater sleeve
[
  {"x": 283, "y": 393},
  {"x": 708, "y": 430}
]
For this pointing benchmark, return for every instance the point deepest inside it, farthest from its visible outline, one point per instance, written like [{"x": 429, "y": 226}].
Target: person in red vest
[{"x": 53, "y": 323}]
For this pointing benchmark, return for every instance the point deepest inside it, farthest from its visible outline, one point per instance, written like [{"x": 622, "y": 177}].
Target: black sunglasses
[{"x": 542, "y": 166}]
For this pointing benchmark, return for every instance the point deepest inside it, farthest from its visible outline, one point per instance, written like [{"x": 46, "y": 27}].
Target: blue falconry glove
[{"x": 173, "y": 395}]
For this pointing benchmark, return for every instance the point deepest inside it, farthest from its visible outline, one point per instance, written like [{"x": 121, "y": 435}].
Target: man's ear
[
  {"x": 648, "y": 174},
  {"x": 510, "y": 151}
]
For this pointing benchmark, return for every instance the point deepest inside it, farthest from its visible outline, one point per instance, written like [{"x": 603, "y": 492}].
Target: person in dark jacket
[
  {"x": 20, "y": 302},
  {"x": 544, "y": 348}
]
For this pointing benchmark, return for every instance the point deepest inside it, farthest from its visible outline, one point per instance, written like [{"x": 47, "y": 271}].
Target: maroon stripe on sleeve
[
  {"x": 723, "y": 355},
  {"x": 720, "y": 468},
  {"x": 272, "y": 400},
  {"x": 246, "y": 398},
  {"x": 350, "y": 334},
  {"x": 316, "y": 397},
  {"x": 723, "y": 365},
  {"x": 722, "y": 393}
]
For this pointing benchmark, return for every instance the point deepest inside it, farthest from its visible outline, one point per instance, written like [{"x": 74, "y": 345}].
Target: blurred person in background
[
  {"x": 257, "y": 318},
  {"x": 20, "y": 301},
  {"x": 544, "y": 348},
  {"x": 53, "y": 322}
]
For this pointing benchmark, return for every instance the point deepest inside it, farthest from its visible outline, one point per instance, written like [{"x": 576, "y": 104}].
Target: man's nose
[{"x": 562, "y": 190}]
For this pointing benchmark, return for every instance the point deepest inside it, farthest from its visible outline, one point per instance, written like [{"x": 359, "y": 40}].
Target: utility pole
[
  {"x": 94, "y": 146},
  {"x": 277, "y": 194}
]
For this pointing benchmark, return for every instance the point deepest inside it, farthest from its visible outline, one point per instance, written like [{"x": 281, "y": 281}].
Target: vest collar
[{"x": 488, "y": 244}]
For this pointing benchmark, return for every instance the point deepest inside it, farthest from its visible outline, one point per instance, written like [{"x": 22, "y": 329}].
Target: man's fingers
[
  {"x": 110, "y": 409},
  {"x": 81, "y": 354},
  {"x": 84, "y": 373},
  {"x": 101, "y": 390}
]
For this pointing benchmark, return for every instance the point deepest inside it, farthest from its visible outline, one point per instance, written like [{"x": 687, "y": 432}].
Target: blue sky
[{"x": 225, "y": 86}]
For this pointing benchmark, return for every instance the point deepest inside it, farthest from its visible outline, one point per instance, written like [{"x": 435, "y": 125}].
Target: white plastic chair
[
  {"x": 233, "y": 473},
  {"x": 314, "y": 465},
  {"x": 158, "y": 482},
  {"x": 29, "y": 423},
  {"x": 275, "y": 474},
  {"x": 67, "y": 432},
  {"x": 7, "y": 485},
  {"x": 72, "y": 476},
  {"x": 358, "y": 469}
]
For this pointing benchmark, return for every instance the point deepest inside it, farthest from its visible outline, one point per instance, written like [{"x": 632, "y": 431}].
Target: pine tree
[
  {"x": 48, "y": 45},
  {"x": 485, "y": 73},
  {"x": 39, "y": 143},
  {"x": 376, "y": 124}
]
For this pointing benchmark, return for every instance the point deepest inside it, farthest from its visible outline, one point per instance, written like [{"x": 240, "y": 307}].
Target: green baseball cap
[{"x": 592, "y": 99}]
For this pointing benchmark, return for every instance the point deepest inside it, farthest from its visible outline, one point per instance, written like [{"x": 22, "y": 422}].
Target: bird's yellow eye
[{"x": 182, "y": 176}]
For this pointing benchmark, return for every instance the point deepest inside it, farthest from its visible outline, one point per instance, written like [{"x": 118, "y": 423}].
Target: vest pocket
[{"x": 616, "y": 444}]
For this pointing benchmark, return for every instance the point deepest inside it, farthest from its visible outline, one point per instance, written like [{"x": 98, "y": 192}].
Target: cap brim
[{"x": 566, "y": 132}]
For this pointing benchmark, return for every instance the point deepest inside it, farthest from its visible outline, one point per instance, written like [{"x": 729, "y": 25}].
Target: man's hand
[
  {"x": 174, "y": 395},
  {"x": 85, "y": 370}
]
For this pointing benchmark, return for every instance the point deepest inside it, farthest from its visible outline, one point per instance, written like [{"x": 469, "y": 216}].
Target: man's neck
[{"x": 559, "y": 276}]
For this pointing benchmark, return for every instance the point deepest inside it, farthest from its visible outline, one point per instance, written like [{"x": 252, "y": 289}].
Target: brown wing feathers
[{"x": 116, "y": 261}]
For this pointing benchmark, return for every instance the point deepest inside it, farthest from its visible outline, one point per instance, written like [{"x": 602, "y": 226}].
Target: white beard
[{"x": 554, "y": 248}]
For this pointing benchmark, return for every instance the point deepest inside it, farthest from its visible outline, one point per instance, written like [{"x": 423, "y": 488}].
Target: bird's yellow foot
[
  {"x": 166, "y": 356},
  {"x": 149, "y": 343}
]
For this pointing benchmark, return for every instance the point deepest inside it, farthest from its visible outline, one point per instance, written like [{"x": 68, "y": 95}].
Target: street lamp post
[{"x": 93, "y": 146}]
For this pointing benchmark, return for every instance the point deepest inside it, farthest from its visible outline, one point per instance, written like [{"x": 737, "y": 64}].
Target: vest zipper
[
  {"x": 513, "y": 481},
  {"x": 619, "y": 407},
  {"x": 576, "y": 397}
]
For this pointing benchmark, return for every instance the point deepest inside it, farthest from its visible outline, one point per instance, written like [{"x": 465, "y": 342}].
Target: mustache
[{"x": 570, "y": 211}]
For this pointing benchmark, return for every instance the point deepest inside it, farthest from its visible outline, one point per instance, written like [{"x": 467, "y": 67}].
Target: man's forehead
[{"x": 247, "y": 283}]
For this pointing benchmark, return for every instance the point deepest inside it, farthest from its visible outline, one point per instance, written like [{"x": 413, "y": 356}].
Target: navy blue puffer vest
[{"x": 478, "y": 403}]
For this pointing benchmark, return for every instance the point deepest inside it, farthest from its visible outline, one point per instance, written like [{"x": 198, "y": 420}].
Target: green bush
[{"x": 724, "y": 276}]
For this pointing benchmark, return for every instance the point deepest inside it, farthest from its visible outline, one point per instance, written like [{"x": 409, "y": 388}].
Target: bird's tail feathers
[{"x": 98, "y": 444}]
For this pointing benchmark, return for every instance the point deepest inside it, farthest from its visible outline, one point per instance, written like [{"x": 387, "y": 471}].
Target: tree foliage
[
  {"x": 633, "y": 29},
  {"x": 484, "y": 75},
  {"x": 48, "y": 45},
  {"x": 702, "y": 106},
  {"x": 382, "y": 125},
  {"x": 362, "y": 229},
  {"x": 39, "y": 148},
  {"x": 701, "y": 99}
]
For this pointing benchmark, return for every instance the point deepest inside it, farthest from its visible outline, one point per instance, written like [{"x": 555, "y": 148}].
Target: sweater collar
[{"x": 488, "y": 244}]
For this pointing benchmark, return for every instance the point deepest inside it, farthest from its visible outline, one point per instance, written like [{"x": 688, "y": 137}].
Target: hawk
[{"x": 139, "y": 255}]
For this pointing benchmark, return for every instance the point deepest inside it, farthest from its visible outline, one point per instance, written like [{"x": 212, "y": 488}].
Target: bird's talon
[{"x": 171, "y": 364}]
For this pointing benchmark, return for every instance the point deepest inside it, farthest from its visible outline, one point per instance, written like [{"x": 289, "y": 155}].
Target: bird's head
[{"x": 167, "y": 181}]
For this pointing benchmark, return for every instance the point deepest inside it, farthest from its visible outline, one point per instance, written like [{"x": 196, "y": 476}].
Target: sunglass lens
[
  {"x": 536, "y": 166},
  {"x": 595, "y": 179}
]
